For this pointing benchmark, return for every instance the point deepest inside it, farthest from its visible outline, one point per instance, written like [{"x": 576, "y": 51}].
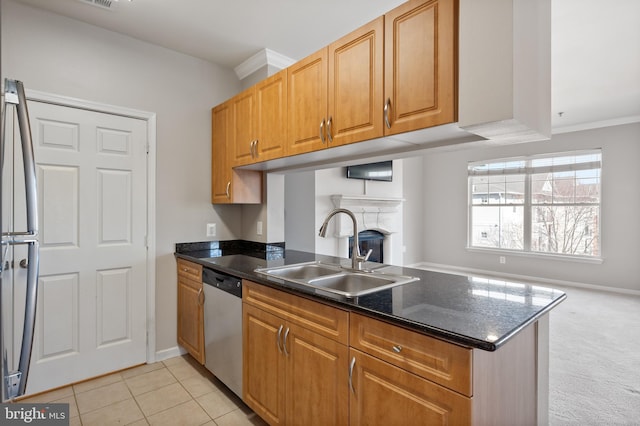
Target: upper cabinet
[
  {"x": 420, "y": 65},
  {"x": 335, "y": 95},
  {"x": 271, "y": 117},
  {"x": 229, "y": 185},
  {"x": 259, "y": 130},
  {"x": 427, "y": 73},
  {"x": 355, "y": 75},
  {"x": 307, "y": 103}
]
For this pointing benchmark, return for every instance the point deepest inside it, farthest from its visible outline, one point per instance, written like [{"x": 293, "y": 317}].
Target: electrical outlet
[
  {"x": 259, "y": 228},
  {"x": 211, "y": 229},
  {"x": 503, "y": 260}
]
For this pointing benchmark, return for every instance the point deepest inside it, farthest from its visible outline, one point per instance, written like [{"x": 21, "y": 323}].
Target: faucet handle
[{"x": 366, "y": 256}]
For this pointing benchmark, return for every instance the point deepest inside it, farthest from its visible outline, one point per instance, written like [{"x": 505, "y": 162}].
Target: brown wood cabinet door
[
  {"x": 317, "y": 376},
  {"x": 243, "y": 110},
  {"x": 355, "y": 98},
  {"x": 263, "y": 364},
  {"x": 420, "y": 73},
  {"x": 220, "y": 168},
  {"x": 190, "y": 317},
  {"x": 271, "y": 117},
  {"x": 387, "y": 395},
  {"x": 307, "y": 87}
]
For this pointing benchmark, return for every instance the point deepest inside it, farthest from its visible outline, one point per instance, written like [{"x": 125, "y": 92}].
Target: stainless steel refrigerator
[{"x": 19, "y": 223}]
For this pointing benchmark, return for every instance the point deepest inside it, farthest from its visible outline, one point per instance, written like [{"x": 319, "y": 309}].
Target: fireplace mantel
[
  {"x": 372, "y": 213},
  {"x": 366, "y": 203}
]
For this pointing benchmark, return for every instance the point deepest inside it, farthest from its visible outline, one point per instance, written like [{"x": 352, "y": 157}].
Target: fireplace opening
[{"x": 370, "y": 240}]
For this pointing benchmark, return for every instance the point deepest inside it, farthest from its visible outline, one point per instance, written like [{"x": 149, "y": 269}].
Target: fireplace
[
  {"x": 379, "y": 218},
  {"x": 370, "y": 240}
]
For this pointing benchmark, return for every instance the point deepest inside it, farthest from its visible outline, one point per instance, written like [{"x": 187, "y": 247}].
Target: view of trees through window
[{"x": 539, "y": 204}]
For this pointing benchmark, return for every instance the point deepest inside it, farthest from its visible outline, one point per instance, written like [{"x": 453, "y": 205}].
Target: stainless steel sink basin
[
  {"x": 335, "y": 279},
  {"x": 302, "y": 271}
]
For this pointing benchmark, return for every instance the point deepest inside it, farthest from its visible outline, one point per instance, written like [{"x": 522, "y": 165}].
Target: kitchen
[{"x": 81, "y": 63}]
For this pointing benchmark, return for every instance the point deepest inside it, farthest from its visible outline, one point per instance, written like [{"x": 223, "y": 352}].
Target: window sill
[{"x": 535, "y": 255}]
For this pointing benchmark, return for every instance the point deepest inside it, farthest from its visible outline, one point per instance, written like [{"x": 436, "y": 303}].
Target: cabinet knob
[{"x": 397, "y": 349}]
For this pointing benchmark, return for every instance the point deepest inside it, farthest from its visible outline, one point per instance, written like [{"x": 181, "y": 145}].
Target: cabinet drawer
[
  {"x": 441, "y": 362},
  {"x": 325, "y": 320},
  {"x": 189, "y": 269}
]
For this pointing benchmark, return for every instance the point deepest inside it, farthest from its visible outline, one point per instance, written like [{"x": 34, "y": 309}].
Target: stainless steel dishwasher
[{"x": 223, "y": 327}]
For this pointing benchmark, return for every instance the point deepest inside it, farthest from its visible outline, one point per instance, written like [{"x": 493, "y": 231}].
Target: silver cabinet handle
[
  {"x": 201, "y": 297},
  {"x": 353, "y": 363},
  {"x": 397, "y": 349},
  {"x": 329, "y": 135},
  {"x": 255, "y": 149},
  {"x": 278, "y": 338},
  {"x": 227, "y": 190},
  {"x": 251, "y": 149},
  {"x": 284, "y": 344},
  {"x": 322, "y": 131},
  {"x": 387, "y": 107}
]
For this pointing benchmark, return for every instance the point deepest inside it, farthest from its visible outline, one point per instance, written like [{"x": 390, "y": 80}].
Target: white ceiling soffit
[{"x": 595, "y": 45}]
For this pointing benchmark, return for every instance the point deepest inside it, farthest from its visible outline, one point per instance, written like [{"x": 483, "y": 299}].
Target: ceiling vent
[{"x": 102, "y": 4}]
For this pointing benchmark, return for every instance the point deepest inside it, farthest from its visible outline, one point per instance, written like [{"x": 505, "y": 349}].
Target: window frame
[{"x": 528, "y": 171}]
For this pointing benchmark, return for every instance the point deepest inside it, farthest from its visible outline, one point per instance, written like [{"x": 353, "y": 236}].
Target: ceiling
[{"x": 595, "y": 45}]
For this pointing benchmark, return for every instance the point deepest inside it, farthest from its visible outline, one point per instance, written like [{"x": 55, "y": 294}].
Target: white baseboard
[
  {"x": 169, "y": 353},
  {"x": 458, "y": 270}
]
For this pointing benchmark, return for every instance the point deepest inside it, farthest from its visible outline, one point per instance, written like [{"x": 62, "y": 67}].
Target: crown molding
[{"x": 259, "y": 60}]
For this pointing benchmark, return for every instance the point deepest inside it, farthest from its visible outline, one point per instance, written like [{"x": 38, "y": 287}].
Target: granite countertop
[{"x": 478, "y": 312}]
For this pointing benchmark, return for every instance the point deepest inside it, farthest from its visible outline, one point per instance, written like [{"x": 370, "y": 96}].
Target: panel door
[
  {"x": 307, "y": 81},
  {"x": 220, "y": 166},
  {"x": 191, "y": 317},
  {"x": 271, "y": 117},
  {"x": 317, "y": 378},
  {"x": 243, "y": 110},
  {"x": 263, "y": 364},
  {"x": 91, "y": 315},
  {"x": 387, "y": 395},
  {"x": 356, "y": 85},
  {"x": 420, "y": 57}
]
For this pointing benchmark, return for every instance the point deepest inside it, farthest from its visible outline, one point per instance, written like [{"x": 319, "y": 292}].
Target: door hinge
[{"x": 12, "y": 384}]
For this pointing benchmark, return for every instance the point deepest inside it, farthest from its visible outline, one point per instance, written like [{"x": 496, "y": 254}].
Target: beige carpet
[{"x": 594, "y": 376}]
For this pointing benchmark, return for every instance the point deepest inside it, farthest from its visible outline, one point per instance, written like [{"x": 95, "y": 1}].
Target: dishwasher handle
[{"x": 226, "y": 283}]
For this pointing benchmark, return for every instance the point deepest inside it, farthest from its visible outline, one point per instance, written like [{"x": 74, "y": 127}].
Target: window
[{"x": 542, "y": 204}]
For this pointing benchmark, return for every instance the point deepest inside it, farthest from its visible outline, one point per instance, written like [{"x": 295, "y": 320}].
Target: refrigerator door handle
[
  {"x": 29, "y": 314},
  {"x": 29, "y": 161},
  {"x": 14, "y": 94}
]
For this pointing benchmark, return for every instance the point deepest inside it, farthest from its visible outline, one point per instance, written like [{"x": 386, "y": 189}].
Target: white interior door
[{"x": 92, "y": 188}]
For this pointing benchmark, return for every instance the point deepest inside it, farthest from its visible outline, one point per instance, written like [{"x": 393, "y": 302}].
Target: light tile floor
[{"x": 177, "y": 391}]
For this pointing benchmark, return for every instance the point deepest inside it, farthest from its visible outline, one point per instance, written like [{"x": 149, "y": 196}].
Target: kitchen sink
[
  {"x": 302, "y": 271},
  {"x": 334, "y": 279}
]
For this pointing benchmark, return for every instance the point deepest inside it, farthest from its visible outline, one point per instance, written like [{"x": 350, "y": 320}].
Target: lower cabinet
[
  {"x": 387, "y": 395},
  {"x": 293, "y": 374},
  {"x": 191, "y": 309},
  {"x": 307, "y": 363}
]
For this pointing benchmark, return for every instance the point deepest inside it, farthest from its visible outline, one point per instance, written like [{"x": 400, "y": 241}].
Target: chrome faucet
[{"x": 356, "y": 258}]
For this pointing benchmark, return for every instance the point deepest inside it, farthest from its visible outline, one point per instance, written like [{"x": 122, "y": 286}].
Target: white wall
[
  {"x": 412, "y": 209},
  {"x": 445, "y": 210},
  {"x": 54, "y": 54}
]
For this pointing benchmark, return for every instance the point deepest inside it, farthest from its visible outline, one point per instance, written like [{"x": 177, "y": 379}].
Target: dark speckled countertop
[{"x": 477, "y": 312}]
